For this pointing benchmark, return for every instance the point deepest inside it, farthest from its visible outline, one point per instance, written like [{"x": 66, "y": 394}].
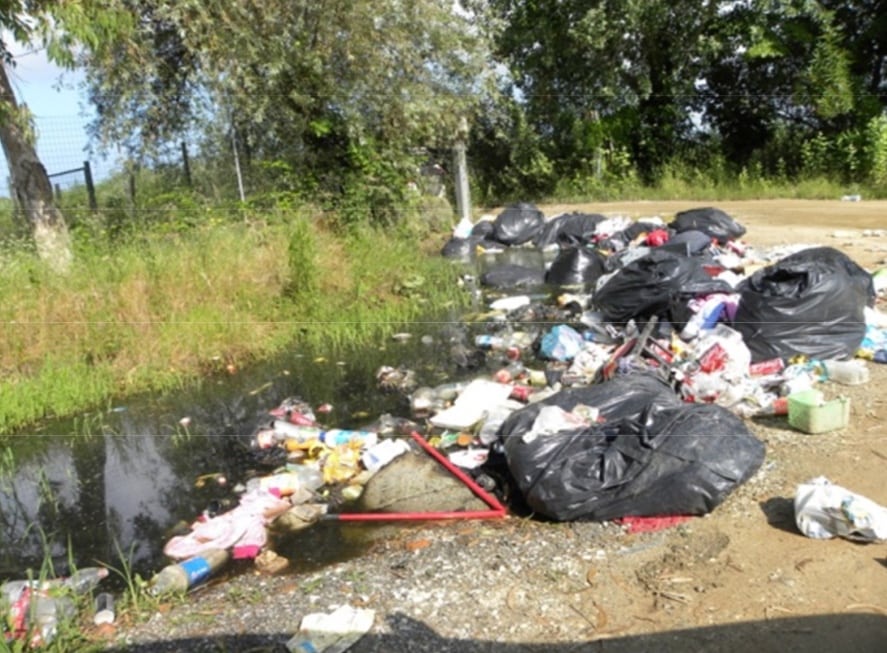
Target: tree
[
  {"x": 60, "y": 27},
  {"x": 29, "y": 182},
  {"x": 783, "y": 74},
  {"x": 333, "y": 88},
  {"x": 613, "y": 62}
]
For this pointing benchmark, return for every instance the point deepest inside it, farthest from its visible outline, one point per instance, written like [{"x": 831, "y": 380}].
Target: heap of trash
[{"x": 614, "y": 380}]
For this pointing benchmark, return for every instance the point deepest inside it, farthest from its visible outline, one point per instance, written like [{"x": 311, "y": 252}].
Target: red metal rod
[
  {"x": 497, "y": 510},
  {"x": 484, "y": 496}
]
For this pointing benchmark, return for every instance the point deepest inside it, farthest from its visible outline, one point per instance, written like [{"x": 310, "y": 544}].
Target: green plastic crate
[{"x": 809, "y": 412}]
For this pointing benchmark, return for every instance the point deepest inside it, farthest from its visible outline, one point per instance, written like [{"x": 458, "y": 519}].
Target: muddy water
[{"x": 111, "y": 484}]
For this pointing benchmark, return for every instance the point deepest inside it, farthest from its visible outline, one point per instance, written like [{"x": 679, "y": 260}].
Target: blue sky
[{"x": 60, "y": 115}]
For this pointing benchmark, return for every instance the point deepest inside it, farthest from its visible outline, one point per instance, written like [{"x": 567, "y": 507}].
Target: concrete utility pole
[{"x": 463, "y": 197}]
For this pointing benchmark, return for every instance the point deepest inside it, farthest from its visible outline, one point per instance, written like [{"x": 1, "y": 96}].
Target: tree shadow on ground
[{"x": 858, "y": 632}]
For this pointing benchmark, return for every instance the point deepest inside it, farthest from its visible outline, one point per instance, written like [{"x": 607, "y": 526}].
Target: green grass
[{"x": 165, "y": 308}]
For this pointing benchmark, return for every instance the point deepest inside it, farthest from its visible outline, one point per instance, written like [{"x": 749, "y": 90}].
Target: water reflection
[{"x": 131, "y": 473}]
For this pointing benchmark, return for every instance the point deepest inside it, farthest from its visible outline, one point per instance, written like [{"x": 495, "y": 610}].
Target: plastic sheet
[{"x": 510, "y": 275}]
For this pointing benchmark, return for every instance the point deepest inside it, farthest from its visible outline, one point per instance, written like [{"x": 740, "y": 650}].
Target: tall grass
[
  {"x": 166, "y": 307},
  {"x": 684, "y": 182}
]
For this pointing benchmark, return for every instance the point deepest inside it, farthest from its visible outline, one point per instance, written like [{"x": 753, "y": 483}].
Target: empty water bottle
[
  {"x": 182, "y": 576},
  {"x": 85, "y": 579},
  {"x": 852, "y": 372}
]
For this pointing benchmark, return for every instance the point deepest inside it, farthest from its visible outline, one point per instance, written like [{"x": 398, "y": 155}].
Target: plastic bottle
[
  {"x": 295, "y": 478},
  {"x": 47, "y": 613},
  {"x": 85, "y": 579},
  {"x": 852, "y": 372},
  {"x": 182, "y": 576},
  {"x": 309, "y": 475},
  {"x": 330, "y": 437}
]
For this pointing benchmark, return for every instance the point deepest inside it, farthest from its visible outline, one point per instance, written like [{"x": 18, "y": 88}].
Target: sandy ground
[{"x": 742, "y": 578}]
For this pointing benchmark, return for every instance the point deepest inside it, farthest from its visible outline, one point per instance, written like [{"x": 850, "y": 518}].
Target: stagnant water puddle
[{"x": 109, "y": 485}]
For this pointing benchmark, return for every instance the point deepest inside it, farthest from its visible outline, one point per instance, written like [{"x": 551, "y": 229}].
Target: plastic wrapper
[
  {"x": 810, "y": 303},
  {"x": 824, "y": 510}
]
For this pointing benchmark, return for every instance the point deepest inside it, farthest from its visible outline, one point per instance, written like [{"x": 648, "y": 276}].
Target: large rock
[{"x": 414, "y": 482}]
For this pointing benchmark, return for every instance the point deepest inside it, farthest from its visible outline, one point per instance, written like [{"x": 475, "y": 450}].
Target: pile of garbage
[{"x": 612, "y": 382}]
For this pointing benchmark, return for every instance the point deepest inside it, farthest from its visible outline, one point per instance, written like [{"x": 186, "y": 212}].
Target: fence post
[
  {"x": 237, "y": 163},
  {"x": 90, "y": 187},
  {"x": 463, "y": 198},
  {"x": 186, "y": 164},
  {"x": 132, "y": 192}
]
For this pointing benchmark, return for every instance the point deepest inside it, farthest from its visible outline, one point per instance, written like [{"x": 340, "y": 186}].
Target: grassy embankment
[{"x": 168, "y": 307}]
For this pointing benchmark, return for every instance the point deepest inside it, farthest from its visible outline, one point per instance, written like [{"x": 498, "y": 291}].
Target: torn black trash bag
[
  {"x": 710, "y": 221},
  {"x": 517, "y": 224},
  {"x": 655, "y": 284},
  {"x": 684, "y": 462},
  {"x": 810, "y": 303}
]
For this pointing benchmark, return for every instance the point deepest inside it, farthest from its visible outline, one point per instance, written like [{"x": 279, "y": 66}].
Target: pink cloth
[{"x": 242, "y": 528}]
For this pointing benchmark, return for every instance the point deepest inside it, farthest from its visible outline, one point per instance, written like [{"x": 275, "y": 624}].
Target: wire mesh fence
[{"x": 62, "y": 145}]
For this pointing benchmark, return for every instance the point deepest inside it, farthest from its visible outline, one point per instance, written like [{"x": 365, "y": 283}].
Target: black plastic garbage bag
[
  {"x": 839, "y": 260},
  {"x": 459, "y": 248},
  {"x": 568, "y": 229},
  {"x": 708, "y": 220},
  {"x": 659, "y": 283},
  {"x": 685, "y": 461},
  {"x": 575, "y": 266},
  {"x": 518, "y": 224},
  {"x": 512, "y": 276},
  {"x": 483, "y": 228},
  {"x": 810, "y": 303}
]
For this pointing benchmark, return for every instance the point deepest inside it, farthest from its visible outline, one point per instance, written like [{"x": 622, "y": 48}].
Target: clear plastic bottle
[
  {"x": 85, "y": 579},
  {"x": 47, "y": 613},
  {"x": 182, "y": 576},
  {"x": 852, "y": 372}
]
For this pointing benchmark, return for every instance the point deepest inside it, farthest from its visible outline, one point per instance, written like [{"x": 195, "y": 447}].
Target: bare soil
[{"x": 742, "y": 578}]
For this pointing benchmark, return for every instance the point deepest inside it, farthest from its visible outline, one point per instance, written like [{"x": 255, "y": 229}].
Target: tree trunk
[{"x": 30, "y": 184}]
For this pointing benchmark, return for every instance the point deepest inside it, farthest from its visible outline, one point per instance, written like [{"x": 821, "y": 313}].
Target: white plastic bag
[{"x": 824, "y": 510}]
